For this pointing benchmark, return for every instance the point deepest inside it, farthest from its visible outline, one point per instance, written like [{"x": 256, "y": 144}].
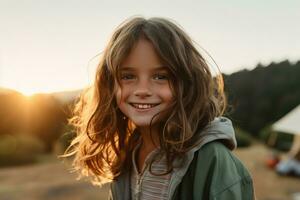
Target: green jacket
[
  {"x": 209, "y": 172},
  {"x": 215, "y": 174}
]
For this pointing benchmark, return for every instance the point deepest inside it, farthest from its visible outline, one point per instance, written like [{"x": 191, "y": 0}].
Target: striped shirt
[{"x": 145, "y": 185}]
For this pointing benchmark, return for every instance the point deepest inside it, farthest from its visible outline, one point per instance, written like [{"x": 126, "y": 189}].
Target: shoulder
[
  {"x": 216, "y": 151},
  {"x": 222, "y": 171}
]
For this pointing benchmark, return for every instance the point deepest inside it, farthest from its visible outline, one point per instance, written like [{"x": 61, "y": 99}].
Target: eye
[
  {"x": 161, "y": 77},
  {"x": 127, "y": 76}
]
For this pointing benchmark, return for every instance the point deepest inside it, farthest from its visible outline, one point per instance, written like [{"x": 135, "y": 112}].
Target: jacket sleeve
[{"x": 242, "y": 189}]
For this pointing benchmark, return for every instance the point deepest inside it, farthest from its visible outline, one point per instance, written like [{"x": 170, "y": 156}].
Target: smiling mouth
[{"x": 143, "y": 105}]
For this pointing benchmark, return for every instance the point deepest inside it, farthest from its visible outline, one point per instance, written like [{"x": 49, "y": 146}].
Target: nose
[{"x": 143, "y": 89}]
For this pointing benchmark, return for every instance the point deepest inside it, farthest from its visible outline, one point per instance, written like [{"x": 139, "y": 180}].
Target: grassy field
[{"x": 53, "y": 181}]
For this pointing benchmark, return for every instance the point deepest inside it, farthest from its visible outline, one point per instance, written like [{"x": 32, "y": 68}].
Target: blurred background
[{"x": 48, "y": 54}]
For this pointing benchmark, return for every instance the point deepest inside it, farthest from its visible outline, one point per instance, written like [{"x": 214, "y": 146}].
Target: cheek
[{"x": 121, "y": 95}]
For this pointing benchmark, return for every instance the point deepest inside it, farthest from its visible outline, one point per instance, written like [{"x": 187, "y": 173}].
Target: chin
[{"x": 143, "y": 123}]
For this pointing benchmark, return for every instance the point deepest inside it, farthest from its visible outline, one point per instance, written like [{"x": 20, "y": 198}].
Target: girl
[{"x": 151, "y": 124}]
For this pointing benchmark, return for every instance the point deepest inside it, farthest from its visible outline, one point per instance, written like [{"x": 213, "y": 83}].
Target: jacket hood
[{"x": 219, "y": 129}]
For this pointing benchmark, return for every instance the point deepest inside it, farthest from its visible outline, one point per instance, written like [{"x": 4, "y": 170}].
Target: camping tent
[{"x": 290, "y": 123}]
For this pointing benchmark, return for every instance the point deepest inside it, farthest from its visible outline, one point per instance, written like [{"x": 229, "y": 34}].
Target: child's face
[{"x": 145, "y": 89}]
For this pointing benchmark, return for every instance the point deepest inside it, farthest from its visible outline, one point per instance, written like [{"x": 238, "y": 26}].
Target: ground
[
  {"x": 53, "y": 181},
  {"x": 268, "y": 185}
]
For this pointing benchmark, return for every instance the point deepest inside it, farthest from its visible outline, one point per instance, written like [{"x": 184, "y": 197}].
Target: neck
[{"x": 150, "y": 139}]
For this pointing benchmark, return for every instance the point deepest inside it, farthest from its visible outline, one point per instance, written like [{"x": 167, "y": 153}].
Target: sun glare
[{"x": 28, "y": 92}]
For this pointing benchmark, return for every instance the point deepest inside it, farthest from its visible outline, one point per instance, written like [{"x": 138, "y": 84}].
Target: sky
[{"x": 50, "y": 45}]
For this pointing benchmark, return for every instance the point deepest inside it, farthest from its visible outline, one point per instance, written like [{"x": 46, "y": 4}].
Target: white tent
[{"x": 290, "y": 123}]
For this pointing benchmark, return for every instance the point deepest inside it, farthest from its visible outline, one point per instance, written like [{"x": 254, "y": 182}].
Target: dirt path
[{"x": 53, "y": 181}]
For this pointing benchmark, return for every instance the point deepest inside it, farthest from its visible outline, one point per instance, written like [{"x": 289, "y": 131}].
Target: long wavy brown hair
[{"x": 105, "y": 138}]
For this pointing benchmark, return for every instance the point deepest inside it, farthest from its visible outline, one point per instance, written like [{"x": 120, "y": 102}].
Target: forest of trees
[
  {"x": 41, "y": 116},
  {"x": 259, "y": 97}
]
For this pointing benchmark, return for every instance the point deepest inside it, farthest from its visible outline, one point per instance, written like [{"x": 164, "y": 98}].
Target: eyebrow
[{"x": 130, "y": 68}]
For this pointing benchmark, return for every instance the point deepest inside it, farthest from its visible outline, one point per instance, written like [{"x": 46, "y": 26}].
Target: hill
[{"x": 263, "y": 95}]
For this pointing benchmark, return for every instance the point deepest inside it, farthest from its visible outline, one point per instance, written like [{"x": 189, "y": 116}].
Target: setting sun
[{"x": 28, "y": 91}]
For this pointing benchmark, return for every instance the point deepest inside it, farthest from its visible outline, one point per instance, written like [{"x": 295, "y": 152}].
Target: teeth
[{"x": 143, "y": 106}]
